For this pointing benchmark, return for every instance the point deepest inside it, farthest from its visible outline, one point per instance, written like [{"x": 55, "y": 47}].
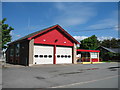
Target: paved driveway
[{"x": 62, "y": 76}]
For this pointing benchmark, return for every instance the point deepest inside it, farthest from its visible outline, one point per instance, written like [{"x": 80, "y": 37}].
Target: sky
[{"x": 80, "y": 19}]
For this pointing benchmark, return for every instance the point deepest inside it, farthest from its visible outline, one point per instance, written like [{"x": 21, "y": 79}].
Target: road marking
[{"x": 84, "y": 82}]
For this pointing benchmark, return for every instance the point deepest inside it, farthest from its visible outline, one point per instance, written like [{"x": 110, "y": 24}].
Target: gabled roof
[
  {"x": 113, "y": 50},
  {"x": 117, "y": 50},
  {"x": 32, "y": 35}
]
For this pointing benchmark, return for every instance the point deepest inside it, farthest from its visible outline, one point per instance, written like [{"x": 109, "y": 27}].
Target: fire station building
[{"x": 52, "y": 45}]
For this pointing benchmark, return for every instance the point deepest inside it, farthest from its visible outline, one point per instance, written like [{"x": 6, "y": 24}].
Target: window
[
  {"x": 11, "y": 52},
  {"x": 65, "y": 56},
  {"x": 17, "y": 49},
  {"x": 41, "y": 56},
  {"x": 45, "y": 56},
  {"x": 36, "y": 56},
  {"x": 69, "y": 56},
  {"x": 62, "y": 56},
  {"x": 58, "y": 56},
  {"x": 50, "y": 56}
]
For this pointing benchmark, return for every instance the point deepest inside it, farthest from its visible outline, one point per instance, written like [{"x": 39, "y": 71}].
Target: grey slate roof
[
  {"x": 114, "y": 50},
  {"x": 117, "y": 50}
]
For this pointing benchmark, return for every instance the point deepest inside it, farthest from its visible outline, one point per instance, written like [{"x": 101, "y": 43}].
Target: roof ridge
[
  {"x": 34, "y": 34},
  {"x": 109, "y": 49}
]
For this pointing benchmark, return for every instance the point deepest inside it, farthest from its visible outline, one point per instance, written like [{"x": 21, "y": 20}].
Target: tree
[
  {"x": 6, "y": 37},
  {"x": 111, "y": 43},
  {"x": 89, "y": 43},
  {"x": 106, "y": 43},
  {"x": 114, "y": 43}
]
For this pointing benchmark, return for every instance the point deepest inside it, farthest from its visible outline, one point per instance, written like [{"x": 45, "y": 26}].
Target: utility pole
[{"x": 28, "y": 24}]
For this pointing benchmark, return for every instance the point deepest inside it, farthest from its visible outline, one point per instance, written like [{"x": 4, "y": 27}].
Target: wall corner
[
  {"x": 74, "y": 54},
  {"x": 31, "y": 51}
]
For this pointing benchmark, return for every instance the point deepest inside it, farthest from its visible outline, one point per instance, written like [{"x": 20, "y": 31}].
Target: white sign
[
  {"x": 94, "y": 55},
  {"x": 79, "y": 55}
]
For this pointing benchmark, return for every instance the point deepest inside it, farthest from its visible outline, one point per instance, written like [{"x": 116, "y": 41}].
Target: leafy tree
[
  {"x": 111, "y": 43},
  {"x": 6, "y": 37},
  {"x": 114, "y": 43},
  {"x": 89, "y": 43},
  {"x": 118, "y": 42},
  {"x": 106, "y": 43}
]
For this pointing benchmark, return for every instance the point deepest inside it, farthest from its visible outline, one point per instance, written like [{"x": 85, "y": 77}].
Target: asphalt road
[
  {"x": 103, "y": 75},
  {"x": 96, "y": 83}
]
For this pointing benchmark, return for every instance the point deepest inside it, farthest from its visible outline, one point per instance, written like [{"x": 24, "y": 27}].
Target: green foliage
[
  {"x": 93, "y": 43},
  {"x": 110, "y": 56},
  {"x": 6, "y": 37},
  {"x": 111, "y": 43},
  {"x": 89, "y": 43}
]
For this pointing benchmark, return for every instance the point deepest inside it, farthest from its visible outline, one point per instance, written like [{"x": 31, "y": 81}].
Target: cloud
[
  {"x": 117, "y": 28},
  {"x": 106, "y": 23},
  {"x": 110, "y": 21},
  {"x": 74, "y": 13},
  {"x": 103, "y": 38},
  {"x": 13, "y": 34},
  {"x": 79, "y": 38},
  {"x": 17, "y": 35}
]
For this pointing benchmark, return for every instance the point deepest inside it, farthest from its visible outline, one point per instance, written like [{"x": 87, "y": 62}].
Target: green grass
[{"x": 106, "y": 61}]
